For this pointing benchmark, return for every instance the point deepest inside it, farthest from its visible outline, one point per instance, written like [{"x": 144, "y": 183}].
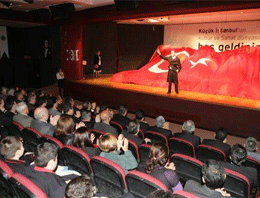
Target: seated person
[
  {"x": 31, "y": 103},
  {"x": 86, "y": 119},
  {"x": 111, "y": 149},
  {"x": 22, "y": 115},
  {"x": 132, "y": 133},
  {"x": 161, "y": 126},
  {"x": 82, "y": 187},
  {"x": 4, "y": 119},
  {"x": 157, "y": 166},
  {"x": 213, "y": 176},
  {"x": 139, "y": 115},
  {"x": 68, "y": 110},
  {"x": 10, "y": 107},
  {"x": 104, "y": 125},
  {"x": 42, "y": 173},
  {"x": 238, "y": 156},
  {"x": 251, "y": 146},
  {"x": 83, "y": 140},
  {"x": 188, "y": 129},
  {"x": 161, "y": 194},
  {"x": 220, "y": 141},
  {"x": 120, "y": 117},
  {"x": 11, "y": 148},
  {"x": 52, "y": 105}
]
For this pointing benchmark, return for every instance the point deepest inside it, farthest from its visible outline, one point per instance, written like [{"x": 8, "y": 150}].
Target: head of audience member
[
  {"x": 87, "y": 105},
  {"x": 11, "y": 147},
  {"x": 160, "y": 194},
  {"x": 39, "y": 93},
  {"x": 18, "y": 95},
  {"x": 133, "y": 127},
  {"x": 23, "y": 92},
  {"x": 52, "y": 102},
  {"x": 103, "y": 107},
  {"x": 106, "y": 116},
  {"x": 213, "y": 174},
  {"x": 10, "y": 104},
  {"x": 221, "y": 135},
  {"x": 10, "y": 92},
  {"x": 107, "y": 143},
  {"x": 3, "y": 92},
  {"x": 69, "y": 101},
  {"x": 188, "y": 126},
  {"x": 238, "y": 154},
  {"x": 159, "y": 121},
  {"x": 85, "y": 116},
  {"x": 251, "y": 144},
  {"x": 68, "y": 109},
  {"x": 31, "y": 99},
  {"x": 2, "y": 104},
  {"x": 139, "y": 115},
  {"x": 65, "y": 126},
  {"x": 158, "y": 156},
  {"x": 93, "y": 106},
  {"x": 46, "y": 156},
  {"x": 42, "y": 101},
  {"x": 122, "y": 110},
  {"x": 41, "y": 113},
  {"x": 22, "y": 108},
  {"x": 82, "y": 138},
  {"x": 80, "y": 187}
]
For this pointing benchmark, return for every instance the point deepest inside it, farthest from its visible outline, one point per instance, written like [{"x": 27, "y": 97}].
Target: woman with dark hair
[
  {"x": 157, "y": 166},
  {"x": 83, "y": 139},
  {"x": 65, "y": 129}
]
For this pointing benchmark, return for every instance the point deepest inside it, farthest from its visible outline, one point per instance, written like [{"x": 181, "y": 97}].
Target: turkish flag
[{"x": 232, "y": 73}]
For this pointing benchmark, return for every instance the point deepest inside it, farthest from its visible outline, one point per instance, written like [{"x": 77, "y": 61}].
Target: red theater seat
[{"x": 205, "y": 152}]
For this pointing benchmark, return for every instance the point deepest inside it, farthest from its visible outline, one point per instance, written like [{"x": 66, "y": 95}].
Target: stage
[{"x": 238, "y": 115}]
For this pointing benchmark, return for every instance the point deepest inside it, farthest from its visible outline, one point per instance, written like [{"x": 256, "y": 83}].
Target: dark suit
[
  {"x": 136, "y": 139},
  {"x": 106, "y": 128},
  {"x": 202, "y": 191},
  {"x": 124, "y": 121},
  {"x": 163, "y": 131},
  {"x": 195, "y": 140},
  {"x": 218, "y": 144},
  {"x": 43, "y": 127},
  {"x": 174, "y": 65},
  {"x": 23, "y": 119},
  {"x": 5, "y": 119},
  {"x": 144, "y": 126}
]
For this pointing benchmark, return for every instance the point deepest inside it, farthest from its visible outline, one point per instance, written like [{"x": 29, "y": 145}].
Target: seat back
[
  {"x": 97, "y": 133},
  {"x": 156, "y": 137},
  {"x": 252, "y": 162},
  {"x": 24, "y": 187},
  {"x": 183, "y": 194},
  {"x": 178, "y": 145},
  {"x": 53, "y": 140},
  {"x": 117, "y": 125},
  {"x": 77, "y": 160},
  {"x": 205, "y": 152},
  {"x": 109, "y": 176},
  {"x": 187, "y": 167},
  {"x": 133, "y": 147},
  {"x": 11, "y": 130},
  {"x": 237, "y": 184},
  {"x": 141, "y": 134},
  {"x": 141, "y": 184},
  {"x": 32, "y": 138},
  {"x": 18, "y": 125},
  {"x": 6, "y": 172},
  {"x": 144, "y": 152}
]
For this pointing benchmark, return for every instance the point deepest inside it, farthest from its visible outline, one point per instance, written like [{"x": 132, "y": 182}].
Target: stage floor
[{"x": 185, "y": 95}]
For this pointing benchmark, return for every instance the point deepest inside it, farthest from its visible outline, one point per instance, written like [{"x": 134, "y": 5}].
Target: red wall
[{"x": 72, "y": 51}]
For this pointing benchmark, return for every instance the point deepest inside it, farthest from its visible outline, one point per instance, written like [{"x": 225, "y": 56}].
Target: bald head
[
  {"x": 41, "y": 113},
  {"x": 106, "y": 116}
]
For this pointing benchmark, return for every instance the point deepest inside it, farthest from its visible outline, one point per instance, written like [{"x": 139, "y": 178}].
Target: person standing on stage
[
  {"x": 174, "y": 69},
  {"x": 60, "y": 79},
  {"x": 97, "y": 64}
]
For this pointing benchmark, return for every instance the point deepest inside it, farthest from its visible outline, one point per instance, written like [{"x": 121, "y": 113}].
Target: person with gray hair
[
  {"x": 40, "y": 123},
  {"x": 22, "y": 115},
  {"x": 86, "y": 118},
  {"x": 251, "y": 146},
  {"x": 161, "y": 126},
  {"x": 188, "y": 129}
]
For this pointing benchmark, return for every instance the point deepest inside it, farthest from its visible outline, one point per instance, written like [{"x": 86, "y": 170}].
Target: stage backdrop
[
  {"x": 221, "y": 36},
  {"x": 232, "y": 73}
]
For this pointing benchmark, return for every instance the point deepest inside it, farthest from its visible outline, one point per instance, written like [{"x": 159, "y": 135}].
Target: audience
[
  {"x": 213, "y": 176},
  {"x": 10, "y": 107},
  {"x": 111, "y": 149},
  {"x": 22, "y": 115},
  {"x": 220, "y": 141},
  {"x": 52, "y": 104},
  {"x": 86, "y": 119},
  {"x": 139, "y": 115},
  {"x": 83, "y": 139},
  {"x": 158, "y": 167},
  {"x": 19, "y": 96},
  {"x": 3, "y": 93},
  {"x": 120, "y": 117},
  {"x": 251, "y": 146},
  {"x": 42, "y": 173},
  {"x": 68, "y": 110},
  {"x": 104, "y": 125},
  {"x": 40, "y": 123},
  {"x": 188, "y": 129},
  {"x": 161, "y": 126},
  {"x": 4, "y": 119},
  {"x": 31, "y": 103}
]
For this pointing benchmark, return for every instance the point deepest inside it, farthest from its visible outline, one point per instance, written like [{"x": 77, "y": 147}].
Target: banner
[{"x": 3, "y": 42}]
